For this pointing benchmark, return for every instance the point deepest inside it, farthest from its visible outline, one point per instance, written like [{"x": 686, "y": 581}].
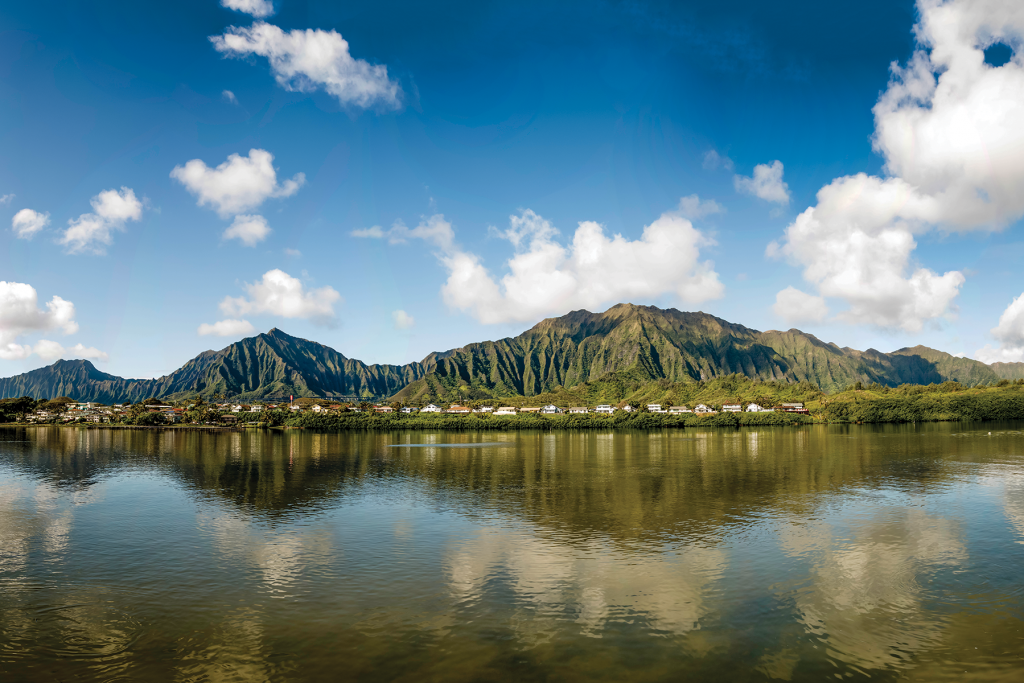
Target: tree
[
  {"x": 17, "y": 406},
  {"x": 152, "y": 402}
]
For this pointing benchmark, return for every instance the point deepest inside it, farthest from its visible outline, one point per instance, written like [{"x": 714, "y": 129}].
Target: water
[{"x": 764, "y": 554}]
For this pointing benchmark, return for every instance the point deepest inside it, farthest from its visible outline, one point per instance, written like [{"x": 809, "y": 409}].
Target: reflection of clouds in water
[
  {"x": 279, "y": 555},
  {"x": 864, "y": 599},
  {"x": 1013, "y": 503},
  {"x": 37, "y": 512},
  {"x": 235, "y": 651},
  {"x": 591, "y": 585}
]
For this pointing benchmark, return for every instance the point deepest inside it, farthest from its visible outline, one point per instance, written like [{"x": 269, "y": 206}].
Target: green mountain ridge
[{"x": 623, "y": 348}]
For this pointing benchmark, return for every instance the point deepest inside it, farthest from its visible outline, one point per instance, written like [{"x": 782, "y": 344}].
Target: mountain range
[{"x": 627, "y": 343}]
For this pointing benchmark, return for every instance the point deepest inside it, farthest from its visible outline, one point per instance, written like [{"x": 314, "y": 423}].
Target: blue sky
[{"x": 426, "y": 176}]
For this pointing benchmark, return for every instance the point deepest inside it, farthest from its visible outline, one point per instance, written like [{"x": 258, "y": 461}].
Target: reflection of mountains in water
[{"x": 630, "y": 487}]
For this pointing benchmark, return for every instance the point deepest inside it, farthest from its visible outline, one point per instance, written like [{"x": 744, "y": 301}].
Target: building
[
  {"x": 654, "y": 408},
  {"x": 795, "y": 408},
  {"x": 459, "y": 410},
  {"x": 505, "y": 410},
  {"x": 431, "y": 409},
  {"x": 605, "y": 409},
  {"x": 529, "y": 410},
  {"x": 259, "y": 409},
  {"x": 628, "y": 409},
  {"x": 383, "y": 409},
  {"x": 676, "y": 410},
  {"x": 732, "y": 408},
  {"x": 754, "y": 408},
  {"x": 409, "y": 409},
  {"x": 580, "y": 410},
  {"x": 296, "y": 407},
  {"x": 551, "y": 409},
  {"x": 484, "y": 409},
  {"x": 702, "y": 409}
]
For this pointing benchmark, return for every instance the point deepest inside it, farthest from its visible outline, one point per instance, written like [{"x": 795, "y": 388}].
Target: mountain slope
[
  {"x": 625, "y": 346},
  {"x": 268, "y": 365}
]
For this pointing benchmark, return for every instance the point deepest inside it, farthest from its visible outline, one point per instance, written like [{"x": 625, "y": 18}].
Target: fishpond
[{"x": 893, "y": 552}]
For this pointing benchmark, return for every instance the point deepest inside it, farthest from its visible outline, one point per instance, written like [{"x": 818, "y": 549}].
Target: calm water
[{"x": 772, "y": 554}]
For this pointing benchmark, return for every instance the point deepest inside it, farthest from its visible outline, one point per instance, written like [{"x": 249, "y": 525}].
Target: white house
[
  {"x": 579, "y": 410},
  {"x": 550, "y": 410},
  {"x": 732, "y": 408},
  {"x": 703, "y": 409},
  {"x": 431, "y": 409},
  {"x": 409, "y": 409},
  {"x": 754, "y": 408},
  {"x": 604, "y": 409},
  {"x": 236, "y": 409},
  {"x": 484, "y": 409},
  {"x": 675, "y": 410},
  {"x": 654, "y": 408},
  {"x": 459, "y": 410},
  {"x": 259, "y": 409},
  {"x": 383, "y": 409},
  {"x": 296, "y": 407},
  {"x": 505, "y": 410},
  {"x": 629, "y": 409}
]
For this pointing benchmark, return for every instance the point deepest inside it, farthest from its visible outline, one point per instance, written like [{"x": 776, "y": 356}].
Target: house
[
  {"x": 676, "y": 410},
  {"x": 459, "y": 410},
  {"x": 230, "y": 419},
  {"x": 702, "y": 409},
  {"x": 505, "y": 410},
  {"x": 335, "y": 406},
  {"x": 628, "y": 409},
  {"x": 732, "y": 408},
  {"x": 295, "y": 407},
  {"x": 754, "y": 408},
  {"x": 256, "y": 409},
  {"x": 550, "y": 410},
  {"x": 654, "y": 408},
  {"x": 580, "y": 410},
  {"x": 431, "y": 409},
  {"x": 236, "y": 409},
  {"x": 529, "y": 410},
  {"x": 383, "y": 409},
  {"x": 484, "y": 409},
  {"x": 604, "y": 409},
  {"x": 409, "y": 409},
  {"x": 318, "y": 409},
  {"x": 795, "y": 408}
]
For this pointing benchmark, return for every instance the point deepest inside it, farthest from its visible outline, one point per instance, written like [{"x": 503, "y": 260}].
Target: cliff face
[{"x": 641, "y": 343}]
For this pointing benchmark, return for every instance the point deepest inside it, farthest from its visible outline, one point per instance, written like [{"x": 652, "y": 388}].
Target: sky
[{"x": 391, "y": 179}]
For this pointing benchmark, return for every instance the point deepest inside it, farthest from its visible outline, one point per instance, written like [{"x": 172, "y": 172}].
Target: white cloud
[
  {"x": 294, "y": 253},
  {"x": 713, "y": 161},
  {"x": 307, "y": 60},
  {"x": 279, "y": 293},
  {"x": 403, "y": 321},
  {"x": 20, "y": 315},
  {"x": 251, "y": 230},
  {"x": 547, "y": 278},
  {"x": 766, "y": 183},
  {"x": 238, "y": 185},
  {"x": 226, "y": 328},
  {"x": 257, "y": 8},
  {"x": 93, "y": 231},
  {"x": 51, "y": 350},
  {"x": 228, "y": 97},
  {"x": 1010, "y": 334},
  {"x": 375, "y": 232},
  {"x": 795, "y": 306},
  {"x": 949, "y": 129},
  {"x": 26, "y": 223},
  {"x": 6, "y": 199},
  {"x": 693, "y": 208}
]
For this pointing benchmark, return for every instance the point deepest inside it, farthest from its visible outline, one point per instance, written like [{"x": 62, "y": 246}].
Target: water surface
[{"x": 799, "y": 554}]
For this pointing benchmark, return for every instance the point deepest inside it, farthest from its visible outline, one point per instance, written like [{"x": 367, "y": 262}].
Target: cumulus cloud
[
  {"x": 278, "y": 293},
  {"x": 766, "y": 183},
  {"x": 226, "y": 328},
  {"x": 20, "y": 315},
  {"x": 312, "y": 59},
  {"x": 51, "y": 350},
  {"x": 26, "y": 223},
  {"x": 949, "y": 129},
  {"x": 92, "y": 232},
  {"x": 1010, "y": 334},
  {"x": 375, "y": 232},
  {"x": 228, "y": 97},
  {"x": 256, "y": 8},
  {"x": 693, "y": 208},
  {"x": 239, "y": 184},
  {"x": 546, "y": 277},
  {"x": 795, "y": 306},
  {"x": 403, "y": 321},
  {"x": 713, "y": 161},
  {"x": 251, "y": 230}
]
